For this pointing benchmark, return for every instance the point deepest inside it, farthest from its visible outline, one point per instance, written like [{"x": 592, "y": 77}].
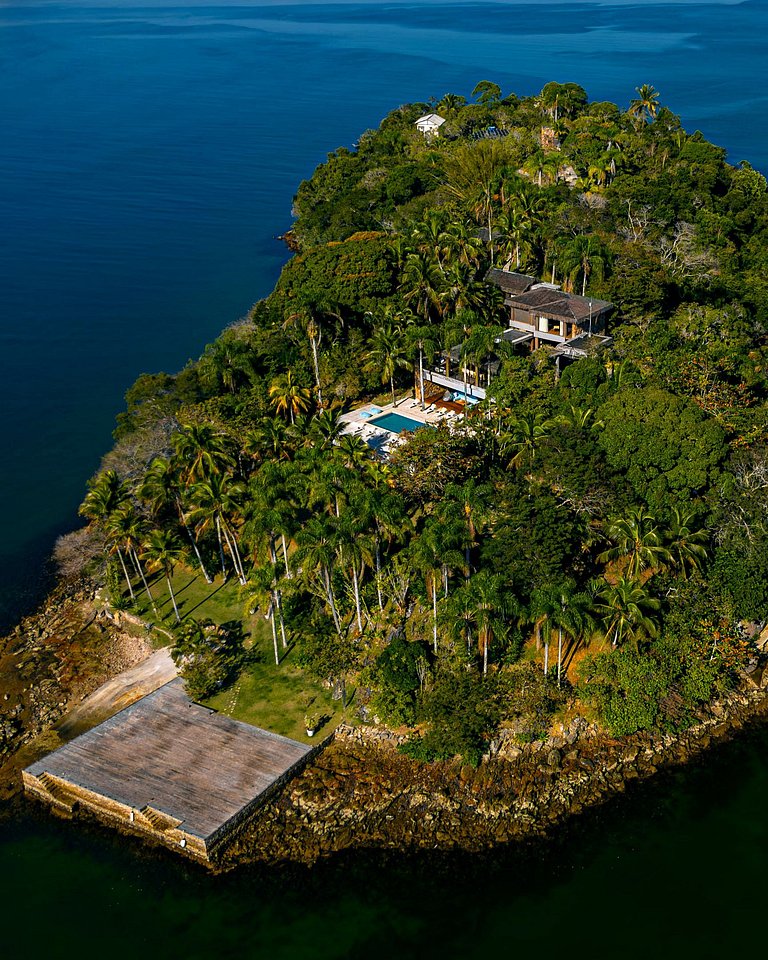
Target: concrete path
[{"x": 116, "y": 694}]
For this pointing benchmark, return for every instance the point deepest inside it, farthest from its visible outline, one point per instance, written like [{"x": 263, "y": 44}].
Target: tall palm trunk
[
  {"x": 434, "y": 612},
  {"x": 271, "y": 618},
  {"x": 140, "y": 569},
  {"x": 378, "y": 574},
  {"x": 356, "y": 588},
  {"x": 485, "y": 652},
  {"x": 192, "y": 540},
  {"x": 234, "y": 552},
  {"x": 313, "y": 341},
  {"x": 277, "y": 597},
  {"x": 559, "y": 654},
  {"x": 125, "y": 572},
  {"x": 171, "y": 594},
  {"x": 221, "y": 548},
  {"x": 279, "y": 600},
  {"x": 331, "y": 601},
  {"x": 285, "y": 556}
]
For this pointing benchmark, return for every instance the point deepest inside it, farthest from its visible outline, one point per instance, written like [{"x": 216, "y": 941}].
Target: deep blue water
[{"x": 148, "y": 157}]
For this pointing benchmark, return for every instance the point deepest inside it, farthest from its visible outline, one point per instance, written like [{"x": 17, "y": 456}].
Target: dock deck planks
[{"x": 178, "y": 757}]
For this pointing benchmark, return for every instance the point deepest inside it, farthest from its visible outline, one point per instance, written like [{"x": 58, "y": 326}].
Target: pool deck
[{"x": 358, "y": 422}]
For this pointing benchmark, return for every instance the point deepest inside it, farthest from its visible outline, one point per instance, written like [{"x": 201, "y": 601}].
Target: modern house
[
  {"x": 430, "y": 124},
  {"x": 539, "y": 314},
  {"x": 545, "y": 314}
]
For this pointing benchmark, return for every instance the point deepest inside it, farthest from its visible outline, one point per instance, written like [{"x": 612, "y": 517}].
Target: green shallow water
[{"x": 674, "y": 867}]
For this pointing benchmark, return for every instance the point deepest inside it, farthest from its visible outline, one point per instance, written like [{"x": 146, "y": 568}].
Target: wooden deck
[{"x": 178, "y": 758}]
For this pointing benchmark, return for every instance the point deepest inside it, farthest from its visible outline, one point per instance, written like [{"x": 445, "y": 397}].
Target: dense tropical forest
[{"x": 590, "y": 540}]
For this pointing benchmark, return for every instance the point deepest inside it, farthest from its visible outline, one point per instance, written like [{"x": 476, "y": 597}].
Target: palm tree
[
  {"x": 685, "y": 544},
  {"x": 307, "y": 320},
  {"x": 287, "y": 396},
  {"x": 316, "y": 555},
  {"x": 421, "y": 286},
  {"x": 523, "y": 436},
  {"x": 580, "y": 418},
  {"x": 386, "y": 353},
  {"x": 201, "y": 451},
  {"x": 471, "y": 174},
  {"x": 354, "y": 549},
  {"x": 268, "y": 440},
  {"x": 582, "y": 255},
  {"x": 383, "y": 509},
  {"x": 229, "y": 361},
  {"x": 261, "y": 588},
  {"x": 645, "y": 106},
  {"x": 461, "y": 615},
  {"x": 473, "y": 500},
  {"x": 214, "y": 502},
  {"x": 449, "y": 105},
  {"x": 161, "y": 490},
  {"x": 162, "y": 549},
  {"x": 627, "y": 611},
  {"x": 636, "y": 538},
  {"x": 570, "y": 613},
  {"x": 491, "y": 605},
  {"x": 427, "y": 557},
  {"x": 127, "y": 528},
  {"x": 325, "y": 428},
  {"x": 107, "y": 494}
]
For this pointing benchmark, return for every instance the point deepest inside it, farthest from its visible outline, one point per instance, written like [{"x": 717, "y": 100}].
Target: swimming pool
[
  {"x": 396, "y": 423},
  {"x": 458, "y": 396}
]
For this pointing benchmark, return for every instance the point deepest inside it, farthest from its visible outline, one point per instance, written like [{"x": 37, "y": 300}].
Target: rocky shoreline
[
  {"x": 51, "y": 661},
  {"x": 362, "y": 793},
  {"x": 359, "y": 792}
]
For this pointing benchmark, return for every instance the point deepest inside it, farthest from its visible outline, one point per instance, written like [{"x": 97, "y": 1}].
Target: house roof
[
  {"x": 560, "y": 305},
  {"x": 508, "y": 281},
  {"x": 431, "y": 119}
]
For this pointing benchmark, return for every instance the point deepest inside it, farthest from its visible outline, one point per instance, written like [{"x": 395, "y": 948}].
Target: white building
[{"x": 430, "y": 124}]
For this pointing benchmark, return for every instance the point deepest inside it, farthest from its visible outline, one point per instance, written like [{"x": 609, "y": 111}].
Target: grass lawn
[
  {"x": 217, "y": 601},
  {"x": 269, "y": 696},
  {"x": 278, "y": 697}
]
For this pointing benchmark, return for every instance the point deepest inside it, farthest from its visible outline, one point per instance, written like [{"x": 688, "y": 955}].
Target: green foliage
[
  {"x": 430, "y": 460},
  {"x": 208, "y": 657},
  {"x": 354, "y": 275},
  {"x": 463, "y": 712},
  {"x": 742, "y": 574},
  {"x": 395, "y": 674},
  {"x": 116, "y": 585},
  {"x": 660, "y": 690},
  {"x": 530, "y": 699},
  {"x": 535, "y": 538},
  {"x": 664, "y": 445}
]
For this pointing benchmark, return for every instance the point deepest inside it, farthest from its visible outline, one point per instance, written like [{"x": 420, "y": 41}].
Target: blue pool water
[
  {"x": 397, "y": 423},
  {"x": 458, "y": 396}
]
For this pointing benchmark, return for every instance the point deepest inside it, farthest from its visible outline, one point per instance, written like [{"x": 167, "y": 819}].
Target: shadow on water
[{"x": 677, "y": 861}]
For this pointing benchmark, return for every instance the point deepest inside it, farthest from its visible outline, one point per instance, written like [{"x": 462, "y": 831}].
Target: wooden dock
[{"x": 169, "y": 767}]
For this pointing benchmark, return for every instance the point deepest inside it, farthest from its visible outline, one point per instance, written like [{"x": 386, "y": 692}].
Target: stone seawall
[{"x": 362, "y": 793}]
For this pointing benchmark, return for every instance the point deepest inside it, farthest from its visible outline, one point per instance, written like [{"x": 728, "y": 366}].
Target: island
[{"x": 473, "y": 502}]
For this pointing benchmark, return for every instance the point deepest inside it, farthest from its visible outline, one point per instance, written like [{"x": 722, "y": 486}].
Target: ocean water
[
  {"x": 149, "y": 153},
  {"x": 148, "y": 156}
]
